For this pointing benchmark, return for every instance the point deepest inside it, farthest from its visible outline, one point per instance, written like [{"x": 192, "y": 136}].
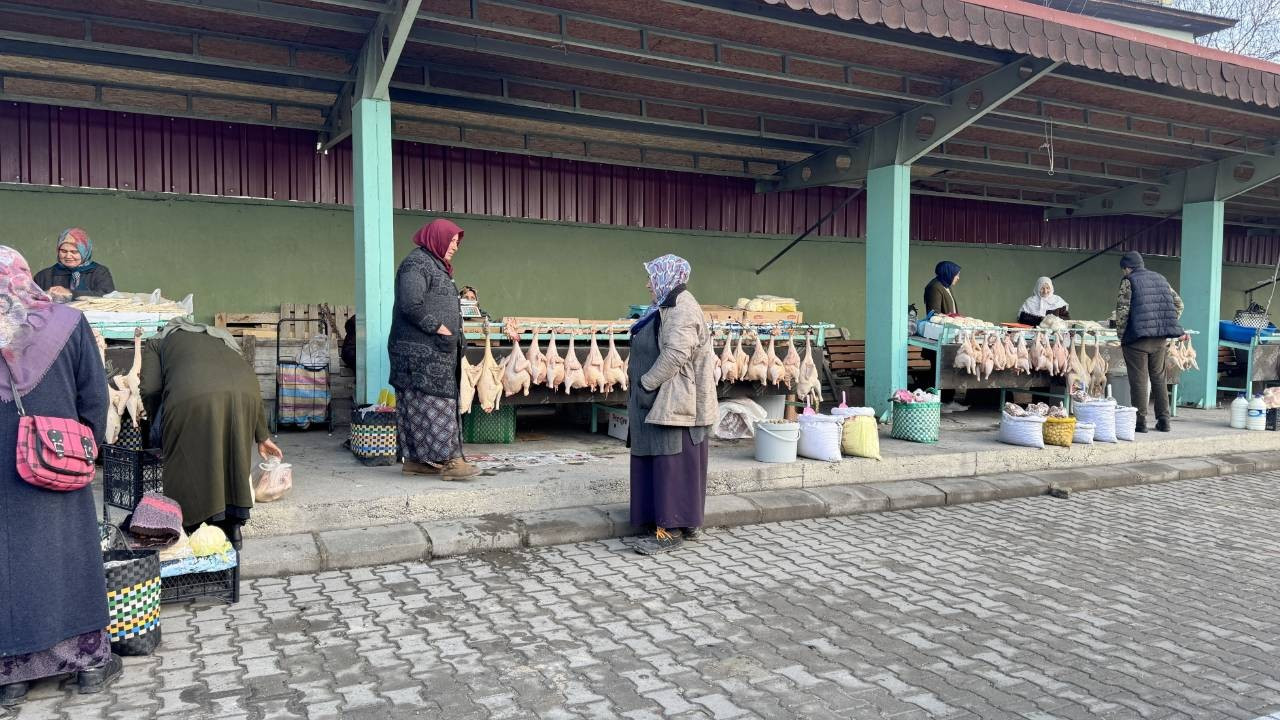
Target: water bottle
[
  {"x": 1239, "y": 412},
  {"x": 1257, "y": 414}
]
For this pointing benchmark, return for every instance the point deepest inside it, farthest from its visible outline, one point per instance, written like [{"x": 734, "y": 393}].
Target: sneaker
[
  {"x": 692, "y": 534},
  {"x": 659, "y": 542},
  {"x": 13, "y": 693},
  {"x": 459, "y": 469},
  {"x": 954, "y": 406},
  {"x": 417, "y": 468},
  {"x": 99, "y": 679}
]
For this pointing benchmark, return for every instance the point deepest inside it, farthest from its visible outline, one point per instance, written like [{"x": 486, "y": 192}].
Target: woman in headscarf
[
  {"x": 75, "y": 275},
  {"x": 426, "y": 345},
  {"x": 53, "y": 597},
  {"x": 670, "y": 410},
  {"x": 1042, "y": 303},
  {"x": 937, "y": 294},
  {"x": 203, "y": 397}
]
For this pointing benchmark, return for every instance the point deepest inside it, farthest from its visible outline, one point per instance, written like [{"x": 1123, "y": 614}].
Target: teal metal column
[
  {"x": 888, "y": 250},
  {"x": 1200, "y": 286},
  {"x": 375, "y": 250}
]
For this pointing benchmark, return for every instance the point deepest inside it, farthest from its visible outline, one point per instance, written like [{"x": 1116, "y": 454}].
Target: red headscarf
[{"x": 435, "y": 237}]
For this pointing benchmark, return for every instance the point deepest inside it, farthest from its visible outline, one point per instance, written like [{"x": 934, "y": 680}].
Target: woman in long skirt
[
  {"x": 670, "y": 410},
  {"x": 53, "y": 596},
  {"x": 425, "y": 346}
]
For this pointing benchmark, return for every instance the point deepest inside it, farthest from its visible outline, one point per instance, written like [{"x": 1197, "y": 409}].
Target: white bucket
[
  {"x": 776, "y": 442},
  {"x": 774, "y": 405}
]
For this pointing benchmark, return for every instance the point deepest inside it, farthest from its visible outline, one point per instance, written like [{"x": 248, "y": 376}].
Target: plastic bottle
[
  {"x": 1239, "y": 412},
  {"x": 1257, "y": 414}
]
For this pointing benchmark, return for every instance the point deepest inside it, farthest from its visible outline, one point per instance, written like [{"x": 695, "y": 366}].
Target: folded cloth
[
  {"x": 177, "y": 551},
  {"x": 157, "y": 518}
]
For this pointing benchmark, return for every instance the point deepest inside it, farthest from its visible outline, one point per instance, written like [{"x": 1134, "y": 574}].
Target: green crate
[{"x": 495, "y": 428}]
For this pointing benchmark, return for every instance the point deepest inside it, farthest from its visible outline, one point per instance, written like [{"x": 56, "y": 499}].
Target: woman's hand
[
  {"x": 442, "y": 330},
  {"x": 58, "y": 292},
  {"x": 268, "y": 449}
]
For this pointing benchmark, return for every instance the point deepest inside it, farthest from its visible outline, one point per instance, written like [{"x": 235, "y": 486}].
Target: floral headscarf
[
  {"x": 33, "y": 328},
  {"x": 78, "y": 237},
  {"x": 665, "y": 274},
  {"x": 435, "y": 237}
]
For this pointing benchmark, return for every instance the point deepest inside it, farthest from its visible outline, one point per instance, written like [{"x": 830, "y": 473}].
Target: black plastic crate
[
  {"x": 127, "y": 474},
  {"x": 220, "y": 585}
]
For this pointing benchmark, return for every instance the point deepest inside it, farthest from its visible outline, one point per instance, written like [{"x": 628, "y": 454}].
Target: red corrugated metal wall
[{"x": 48, "y": 145}]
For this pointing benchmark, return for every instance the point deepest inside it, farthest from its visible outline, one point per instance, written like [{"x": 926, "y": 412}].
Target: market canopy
[{"x": 1035, "y": 105}]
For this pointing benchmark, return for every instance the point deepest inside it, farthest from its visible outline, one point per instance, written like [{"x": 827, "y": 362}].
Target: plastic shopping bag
[
  {"x": 861, "y": 438},
  {"x": 272, "y": 480}
]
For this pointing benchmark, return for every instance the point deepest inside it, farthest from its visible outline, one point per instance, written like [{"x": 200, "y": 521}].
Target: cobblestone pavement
[{"x": 1154, "y": 601}]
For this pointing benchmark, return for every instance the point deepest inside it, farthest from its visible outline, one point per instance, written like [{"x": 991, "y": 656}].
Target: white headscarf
[{"x": 1041, "y": 306}]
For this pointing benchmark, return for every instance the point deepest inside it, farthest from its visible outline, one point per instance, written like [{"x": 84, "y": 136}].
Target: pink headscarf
[
  {"x": 435, "y": 237},
  {"x": 33, "y": 328}
]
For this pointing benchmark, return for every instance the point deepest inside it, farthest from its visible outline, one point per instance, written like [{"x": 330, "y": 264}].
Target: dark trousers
[{"x": 1144, "y": 361}]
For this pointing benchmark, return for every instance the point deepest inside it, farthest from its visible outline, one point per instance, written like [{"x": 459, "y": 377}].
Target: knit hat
[
  {"x": 1131, "y": 260},
  {"x": 156, "y": 521}
]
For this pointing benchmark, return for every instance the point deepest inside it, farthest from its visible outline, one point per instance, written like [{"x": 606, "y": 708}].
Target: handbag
[
  {"x": 1255, "y": 316},
  {"x": 53, "y": 453}
]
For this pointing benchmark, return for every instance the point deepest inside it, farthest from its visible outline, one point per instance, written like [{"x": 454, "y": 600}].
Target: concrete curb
[{"x": 403, "y": 542}]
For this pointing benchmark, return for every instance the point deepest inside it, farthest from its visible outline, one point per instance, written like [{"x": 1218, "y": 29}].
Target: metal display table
[
  {"x": 1261, "y": 363},
  {"x": 1039, "y": 384},
  {"x": 581, "y": 335}
]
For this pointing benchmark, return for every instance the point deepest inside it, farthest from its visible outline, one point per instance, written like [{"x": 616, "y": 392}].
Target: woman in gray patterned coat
[{"x": 425, "y": 345}]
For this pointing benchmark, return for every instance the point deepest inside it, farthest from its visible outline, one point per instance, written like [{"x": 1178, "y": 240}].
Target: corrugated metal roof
[
  {"x": 45, "y": 145},
  {"x": 1078, "y": 40}
]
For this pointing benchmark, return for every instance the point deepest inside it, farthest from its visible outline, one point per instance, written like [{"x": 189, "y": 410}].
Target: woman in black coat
[
  {"x": 53, "y": 596},
  {"x": 75, "y": 275},
  {"x": 426, "y": 346}
]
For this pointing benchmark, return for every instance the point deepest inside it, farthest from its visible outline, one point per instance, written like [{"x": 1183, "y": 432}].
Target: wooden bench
[{"x": 850, "y": 356}]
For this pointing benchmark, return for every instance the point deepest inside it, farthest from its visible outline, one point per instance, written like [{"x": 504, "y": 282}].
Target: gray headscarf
[{"x": 185, "y": 325}]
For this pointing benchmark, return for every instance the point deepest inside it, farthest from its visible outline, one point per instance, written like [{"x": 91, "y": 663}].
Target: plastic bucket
[
  {"x": 776, "y": 442},
  {"x": 774, "y": 405}
]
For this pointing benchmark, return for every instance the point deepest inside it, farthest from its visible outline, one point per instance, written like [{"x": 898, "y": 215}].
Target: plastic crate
[
  {"x": 127, "y": 474},
  {"x": 221, "y": 585},
  {"x": 495, "y": 428}
]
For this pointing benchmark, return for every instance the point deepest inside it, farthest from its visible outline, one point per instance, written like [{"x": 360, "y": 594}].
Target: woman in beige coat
[{"x": 671, "y": 409}]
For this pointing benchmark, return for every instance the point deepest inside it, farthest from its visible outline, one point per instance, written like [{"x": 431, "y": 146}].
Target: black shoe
[
  {"x": 660, "y": 542},
  {"x": 692, "y": 534},
  {"x": 13, "y": 693},
  {"x": 1163, "y": 426},
  {"x": 1140, "y": 427},
  {"x": 99, "y": 679}
]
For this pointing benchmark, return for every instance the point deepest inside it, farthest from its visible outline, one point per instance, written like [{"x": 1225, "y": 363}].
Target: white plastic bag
[
  {"x": 1102, "y": 414},
  {"x": 820, "y": 437},
  {"x": 737, "y": 420},
  {"x": 1027, "y": 431},
  {"x": 315, "y": 353},
  {"x": 272, "y": 480}
]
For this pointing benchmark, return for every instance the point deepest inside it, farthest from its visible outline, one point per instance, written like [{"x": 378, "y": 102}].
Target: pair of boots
[{"x": 455, "y": 469}]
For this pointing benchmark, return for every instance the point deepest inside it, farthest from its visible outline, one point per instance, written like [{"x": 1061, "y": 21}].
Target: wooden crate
[
  {"x": 261, "y": 325},
  {"x": 304, "y": 320}
]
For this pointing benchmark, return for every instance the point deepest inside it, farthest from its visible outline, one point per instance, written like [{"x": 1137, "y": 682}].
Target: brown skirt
[{"x": 670, "y": 491}]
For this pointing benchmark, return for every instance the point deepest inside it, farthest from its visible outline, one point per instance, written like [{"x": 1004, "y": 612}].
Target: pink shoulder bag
[{"x": 53, "y": 453}]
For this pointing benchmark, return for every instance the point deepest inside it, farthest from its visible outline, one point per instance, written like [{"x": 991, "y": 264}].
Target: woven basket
[
  {"x": 916, "y": 422},
  {"x": 1254, "y": 317},
  {"x": 374, "y": 440},
  {"x": 1025, "y": 431},
  {"x": 1084, "y": 433},
  {"x": 1126, "y": 423},
  {"x": 1061, "y": 431}
]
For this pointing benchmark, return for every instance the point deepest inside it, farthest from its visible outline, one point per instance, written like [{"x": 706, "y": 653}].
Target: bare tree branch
[{"x": 1257, "y": 33}]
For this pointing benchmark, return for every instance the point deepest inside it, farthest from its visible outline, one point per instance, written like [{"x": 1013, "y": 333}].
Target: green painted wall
[{"x": 249, "y": 256}]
